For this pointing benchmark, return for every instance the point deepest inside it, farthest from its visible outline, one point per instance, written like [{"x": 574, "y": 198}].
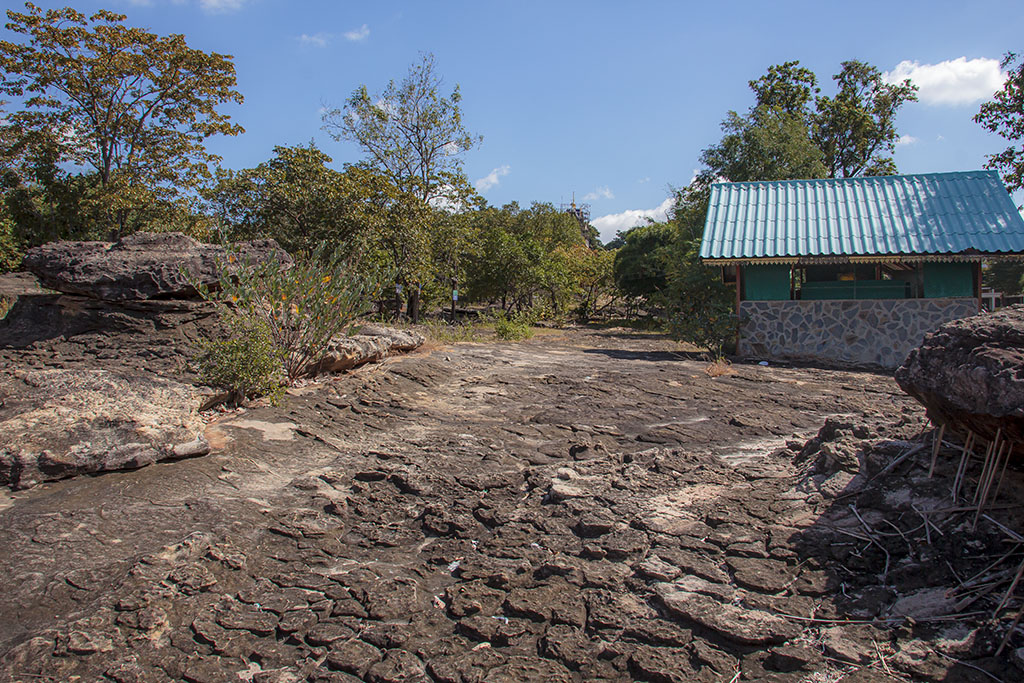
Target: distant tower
[{"x": 581, "y": 213}]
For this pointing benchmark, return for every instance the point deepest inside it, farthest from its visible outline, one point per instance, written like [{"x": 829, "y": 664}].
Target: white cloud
[
  {"x": 614, "y": 222},
  {"x": 645, "y": 179},
  {"x": 906, "y": 140},
  {"x": 220, "y": 6},
  {"x": 952, "y": 82},
  {"x": 362, "y": 33},
  {"x": 315, "y": 40},
  {"x": 600, "y": 193},
  {"x": 492, "y": 178}
]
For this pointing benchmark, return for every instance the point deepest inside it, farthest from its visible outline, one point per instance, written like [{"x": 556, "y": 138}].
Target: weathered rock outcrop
[
  {"x": 372, "y": 344},
  {"x": 139, "y": 266},
  {"x": 969, "y": 374},
  {"x": 57, "y": 423}
]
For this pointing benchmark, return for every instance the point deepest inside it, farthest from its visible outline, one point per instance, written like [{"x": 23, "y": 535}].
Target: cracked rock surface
[{"x": 585, "y": 506}]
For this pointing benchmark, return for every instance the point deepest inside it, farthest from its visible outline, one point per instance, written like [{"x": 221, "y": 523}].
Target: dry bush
[{"x": 719, "y": 368}]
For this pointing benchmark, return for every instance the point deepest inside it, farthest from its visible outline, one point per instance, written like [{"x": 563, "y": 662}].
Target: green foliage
[
  {"x": 247, "y": 363},
  {"x": 786, "y": 88},
  {"x": 296, "y": 199},
  {"x": 591, "y": 271},
  {"x": 856, "y": 129},
  {"x": 699, "y": 306},
  {"x": 11, "y": 251},
  {"x": 782, "y": 137},
  {"x": 641, "y": 265},
  {"x": 513, "y": 327},
  {"x": 412, "y": 132},
  {"x": 769, "y": 144},
  {"x": 523, "y": 254},
  {"x": 1004, "y": 276},
  {"x": 1004, "y": 115},
  {"x": 302, "y": 306},
  {"x": 134, "y": 107}
]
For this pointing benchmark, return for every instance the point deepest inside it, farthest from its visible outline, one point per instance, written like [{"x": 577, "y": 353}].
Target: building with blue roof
[{"x": 857, "y": 270}]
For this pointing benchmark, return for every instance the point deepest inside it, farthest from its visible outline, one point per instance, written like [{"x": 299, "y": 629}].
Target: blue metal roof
[{"x": 930, "y": 213}]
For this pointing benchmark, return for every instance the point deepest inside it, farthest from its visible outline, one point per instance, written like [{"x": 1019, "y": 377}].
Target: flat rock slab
[
  {"x": 139, "y": 266},
  {"x": 744, "y": 626},
  {"x": 58, "y": 423}
]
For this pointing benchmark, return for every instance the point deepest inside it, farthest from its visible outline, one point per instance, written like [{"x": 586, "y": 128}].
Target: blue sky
[{"x": 612, "y": 101}]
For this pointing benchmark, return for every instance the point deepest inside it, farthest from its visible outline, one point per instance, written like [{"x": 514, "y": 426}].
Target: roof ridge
[{"x": 931, "y": 174}]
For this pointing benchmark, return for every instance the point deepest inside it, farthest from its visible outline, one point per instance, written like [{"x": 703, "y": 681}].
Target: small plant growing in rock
[
  {"x": 247, "y": 363},
  {"x": 301, "y": 306}
]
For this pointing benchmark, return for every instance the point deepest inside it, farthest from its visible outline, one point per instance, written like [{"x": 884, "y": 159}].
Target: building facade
[{"x": 855, "y": 271}]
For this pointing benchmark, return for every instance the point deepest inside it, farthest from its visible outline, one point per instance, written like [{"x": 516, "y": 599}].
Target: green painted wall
[
  {"x": 766, "y": 283},
  {"x": 948, "y": 280}
]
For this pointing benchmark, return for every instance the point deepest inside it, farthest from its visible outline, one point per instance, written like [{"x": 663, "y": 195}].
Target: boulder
[
  {"x": 137, "y": 267},
  {"x": 969, "y": 374},
  {"x": 372, "y": 344}
]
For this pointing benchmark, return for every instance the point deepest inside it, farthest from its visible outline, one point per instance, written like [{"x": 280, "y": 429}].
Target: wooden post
[
  {"x": 739, "y": 286},
  {"x": 977, "y": 284}
]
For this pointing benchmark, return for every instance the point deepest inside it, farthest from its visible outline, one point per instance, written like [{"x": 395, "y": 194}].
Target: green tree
[
  {"x": 1004, "y": 115},
  {"x": 11, "y": 250},
  {"x": 523, "y": 254},
  {"x": 768, "y": 144},
  {"x": 412, "y": 132},
  {"x": 593, "y": 277},
  {"x": 134, "y": 107},
  {"x": 640, "y": 267},
  {"x": 787, "y": 88},
  {"x": 413, "y": 135},
  {"x": 699, "y": 306},
  {"x": 856, "y": 129},
  {"x": 297, "y": 199}
]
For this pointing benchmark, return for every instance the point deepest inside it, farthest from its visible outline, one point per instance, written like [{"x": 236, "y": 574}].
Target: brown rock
[
  {"x": 744, "y": 626},
  {"x": 139, "y": 266}
]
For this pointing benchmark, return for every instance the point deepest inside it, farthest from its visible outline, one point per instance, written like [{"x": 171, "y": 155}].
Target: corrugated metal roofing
[{"x": 930, "y": 213}]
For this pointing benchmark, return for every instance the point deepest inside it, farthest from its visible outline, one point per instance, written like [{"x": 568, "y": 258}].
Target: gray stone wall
[{"x": 871, "y": 332}]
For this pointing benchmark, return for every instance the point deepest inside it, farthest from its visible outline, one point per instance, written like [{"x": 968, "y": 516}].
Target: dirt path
[{"x": 584, "y": 506}]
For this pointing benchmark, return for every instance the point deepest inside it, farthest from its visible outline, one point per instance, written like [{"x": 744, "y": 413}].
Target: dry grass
[
  {"x": 719, "y": 368},
  {"x": 5, "y": 306}
]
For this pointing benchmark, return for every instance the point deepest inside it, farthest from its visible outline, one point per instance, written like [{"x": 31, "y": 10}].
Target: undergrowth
[
  {"x": 441, "y": 331},
  {"x": 247, "y": 363},
  {"x": 515, "y": 327}
]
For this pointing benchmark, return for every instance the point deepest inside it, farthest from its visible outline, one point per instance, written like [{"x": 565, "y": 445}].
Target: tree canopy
[
  {"x": 783, "y": 137},
  {"x": 132, "y": 106},
  {"x": 856, "y": 129},
  {"x": 295, "y": 198},
  {"x": 1004, "y": 115},
  {"x": 412, "y": 132}
]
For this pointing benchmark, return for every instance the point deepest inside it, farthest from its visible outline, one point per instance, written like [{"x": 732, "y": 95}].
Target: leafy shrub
[
  {"x": 302, "y": 306},
  {"x": 10, "y": 249},
  {"x": 699, "y": 306},
  {"x": 515, "y": 327},
  {"x": 247, "y": 363}
]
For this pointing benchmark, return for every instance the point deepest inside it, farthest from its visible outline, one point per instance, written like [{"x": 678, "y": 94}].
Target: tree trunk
[{"x": 414, "y": 305}]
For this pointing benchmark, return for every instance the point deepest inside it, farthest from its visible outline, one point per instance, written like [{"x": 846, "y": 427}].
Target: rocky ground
[{"x": 588, "y": 505}]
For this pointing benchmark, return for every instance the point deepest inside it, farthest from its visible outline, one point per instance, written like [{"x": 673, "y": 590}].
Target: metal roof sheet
[{"x": 930, "y": 213}]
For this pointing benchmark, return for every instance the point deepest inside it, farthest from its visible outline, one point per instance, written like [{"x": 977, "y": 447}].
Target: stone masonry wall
[{"x": 850, "y": 332}]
